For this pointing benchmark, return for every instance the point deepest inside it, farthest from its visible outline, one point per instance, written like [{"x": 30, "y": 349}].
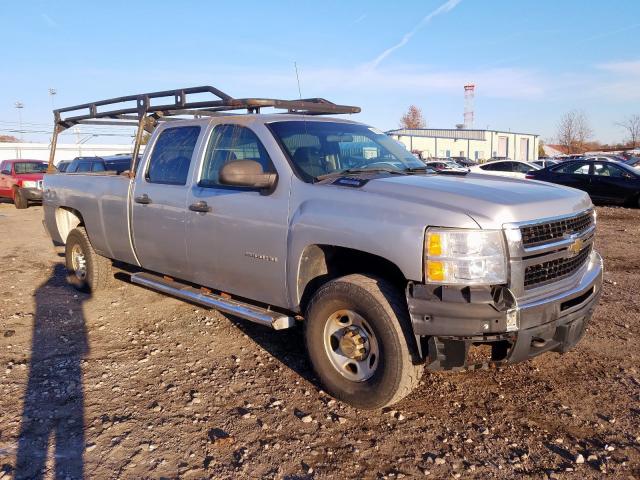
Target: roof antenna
[{"x": 295, "y": 65}]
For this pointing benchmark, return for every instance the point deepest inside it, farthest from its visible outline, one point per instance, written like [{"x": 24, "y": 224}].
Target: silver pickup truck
[{"x": 289, "y": 218}]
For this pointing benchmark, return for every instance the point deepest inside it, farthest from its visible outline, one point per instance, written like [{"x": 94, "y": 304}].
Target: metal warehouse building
[{"x": 474, "y": 144}]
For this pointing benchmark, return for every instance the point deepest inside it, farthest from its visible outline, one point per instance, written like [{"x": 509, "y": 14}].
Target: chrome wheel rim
[
  {"x": 78, "y": 262},
  {"x": 351, "y": 345}
]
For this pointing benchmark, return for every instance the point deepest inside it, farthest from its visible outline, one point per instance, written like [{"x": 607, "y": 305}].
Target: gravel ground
[{"x": 131, "y": 384}]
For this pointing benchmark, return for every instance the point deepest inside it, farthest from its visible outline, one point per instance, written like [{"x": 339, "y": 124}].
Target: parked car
[
  {"x": 463, "y": 161},
  {"x": 440, "y": 165},
  {"x": 633, "y": 161},
  {"x": 114, "y": 163},
  {"x": 545, "y": 162},
  {"x": 605, "y": 181},
  {"x": 505, "y": 168},
  {"x": 288, "y": 218},
  {"x": 21, "y": 181},
  {"x": 605, "y": 158},
  {"x": 63, "y": 165}
]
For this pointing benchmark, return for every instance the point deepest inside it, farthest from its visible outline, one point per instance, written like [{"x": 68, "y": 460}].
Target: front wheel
[
  {"x": 87, "y": 271},
  {"x": 357, "y": 335},
  {"x": 20, "y": 200}
]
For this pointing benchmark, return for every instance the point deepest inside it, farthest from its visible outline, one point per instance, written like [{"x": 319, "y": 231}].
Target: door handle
[
  {"x": 200, "y": 206},
  {"x": 143, "y": 199}
]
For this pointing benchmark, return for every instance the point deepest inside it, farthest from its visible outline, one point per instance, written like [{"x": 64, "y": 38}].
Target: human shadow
[{"x": 53, "y": 411}]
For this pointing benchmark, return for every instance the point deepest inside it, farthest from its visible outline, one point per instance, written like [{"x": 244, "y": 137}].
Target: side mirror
[
  {"x": 247, "y": 173},
  {"x": 6, "y": 172}
]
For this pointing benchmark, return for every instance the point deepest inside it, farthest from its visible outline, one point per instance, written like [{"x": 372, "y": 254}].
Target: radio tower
[{"x": 469, "y": 94}]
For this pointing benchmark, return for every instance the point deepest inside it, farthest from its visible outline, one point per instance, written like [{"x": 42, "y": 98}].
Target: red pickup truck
[{"x": 21, "y": 181}]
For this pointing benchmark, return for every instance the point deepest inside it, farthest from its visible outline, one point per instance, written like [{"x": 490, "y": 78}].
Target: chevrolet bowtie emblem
[{"x": 575, "y": 247}]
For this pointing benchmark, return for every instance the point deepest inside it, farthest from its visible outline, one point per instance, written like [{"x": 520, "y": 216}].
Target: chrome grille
[
  {"x": 533, "y": 235},
  {"x": 553, "y": 270}
]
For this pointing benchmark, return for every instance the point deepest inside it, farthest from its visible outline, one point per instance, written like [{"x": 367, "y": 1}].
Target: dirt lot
[{"x": 131, "y": 384}]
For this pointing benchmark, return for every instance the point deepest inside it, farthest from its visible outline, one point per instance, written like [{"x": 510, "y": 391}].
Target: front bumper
[
  {"x": 453, "y": 320},
  {"x": 32, "y": 194}
]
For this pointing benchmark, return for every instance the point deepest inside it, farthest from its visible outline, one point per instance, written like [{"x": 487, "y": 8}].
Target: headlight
[
  {"x": 29, "y": 184},
  {"x": 465, "y": 257}
]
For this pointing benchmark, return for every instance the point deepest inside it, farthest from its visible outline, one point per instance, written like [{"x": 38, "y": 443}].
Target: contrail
[{"x": 444, "y": 8}]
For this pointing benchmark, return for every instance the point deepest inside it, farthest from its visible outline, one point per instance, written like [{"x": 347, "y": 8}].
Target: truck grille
[
  {"x": 533, "y": 235},
  {"x": 542, "y": 273}
]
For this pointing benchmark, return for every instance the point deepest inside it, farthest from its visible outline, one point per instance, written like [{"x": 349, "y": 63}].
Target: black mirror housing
[{"x": 247, "y": 173}]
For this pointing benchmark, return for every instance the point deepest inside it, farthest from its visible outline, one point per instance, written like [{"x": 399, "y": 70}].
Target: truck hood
[{"x": 490, "y": 200}]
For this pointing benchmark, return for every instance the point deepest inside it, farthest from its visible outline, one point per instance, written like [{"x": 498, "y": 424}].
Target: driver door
[{"x": 237, "y": 236}]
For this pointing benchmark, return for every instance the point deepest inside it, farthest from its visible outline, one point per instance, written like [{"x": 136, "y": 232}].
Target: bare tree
[
  {"x": 574, "y": 131},
  {"x": 8, "y": 139},
  {"x": 413, "y": 118},
  {"x": 632, "y": 125}
]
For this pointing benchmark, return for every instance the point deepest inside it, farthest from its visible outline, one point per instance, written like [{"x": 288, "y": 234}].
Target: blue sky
[{"x": 531, "y": 60}]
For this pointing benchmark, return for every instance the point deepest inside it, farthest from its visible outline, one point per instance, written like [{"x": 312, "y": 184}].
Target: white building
[
  {"x": 64, "y": 151},
  {"x": 474, "y": 144}
]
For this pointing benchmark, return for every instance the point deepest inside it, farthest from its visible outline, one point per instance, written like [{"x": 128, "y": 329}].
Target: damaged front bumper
[
  {"x": 453, "y": 319},
  {"x": 32, "y": 194}
]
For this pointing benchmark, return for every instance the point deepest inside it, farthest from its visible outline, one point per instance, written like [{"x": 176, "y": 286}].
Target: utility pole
[
  {"x": 52, "y": 93},
  {"x": 19, "y": 106}
]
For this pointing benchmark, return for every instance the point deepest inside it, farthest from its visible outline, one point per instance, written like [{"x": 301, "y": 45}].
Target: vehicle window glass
[
  {"x": 501, "y": 167},
  {"x": 573, "y": 168},
  {"x": 229, "y": 143},
  {"x": 97, "y": 167},
  {"x": 521, "y": 167},
  {"x": 29, "y": 167},
  {"x": 83, "y": 167},
  {"x": 607, "y": 170},
  {"x": 171, "y": 155},
  {"x": 319, "y": 148}
]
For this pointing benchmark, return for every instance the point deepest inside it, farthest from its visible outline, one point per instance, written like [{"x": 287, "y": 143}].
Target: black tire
[
  {"x": 385, "y": 311},
  {"x": 19, "y": 200},
  {"x": 96, "y": 272}
]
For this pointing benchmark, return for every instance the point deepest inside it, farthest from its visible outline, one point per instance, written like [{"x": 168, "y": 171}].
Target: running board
[{"x": 263, "y": 316}]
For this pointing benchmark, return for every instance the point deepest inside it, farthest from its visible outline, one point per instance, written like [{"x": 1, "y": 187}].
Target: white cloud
[
  {"x": 631, "y": 67},
  {"x": 444, "y": 8},
  {"x": 49, "y": 21}
]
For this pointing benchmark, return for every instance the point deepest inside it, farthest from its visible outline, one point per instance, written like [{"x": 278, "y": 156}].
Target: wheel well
[
  {"x": 322, "y": 263},
  {"x": 66, "y": 220}
]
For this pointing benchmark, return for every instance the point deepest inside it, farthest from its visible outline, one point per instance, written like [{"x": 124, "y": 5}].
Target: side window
[
  {"x": 229, "y": 143},
  {"x": 521, "y": 167},
  {"x": 83, "y": 167},
  {"x": 573, "y": 168},
  {"x": 171, "y": 156},
  {"x": 97, "y": 167},
  {"x": 607, "y": 170}
]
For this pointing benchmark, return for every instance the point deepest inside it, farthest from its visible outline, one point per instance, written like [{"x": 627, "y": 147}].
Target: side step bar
[{"x": 268, "y": 318}]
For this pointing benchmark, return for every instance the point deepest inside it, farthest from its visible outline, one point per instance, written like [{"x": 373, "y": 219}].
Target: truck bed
[{"x": 103, "y": 201}]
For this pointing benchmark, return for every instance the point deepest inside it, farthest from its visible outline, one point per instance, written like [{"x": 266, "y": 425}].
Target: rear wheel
[
  {"x": 20, "y": 200},
  {"x": 357, "y": 335},
  {"x": 87, "y": 271}
]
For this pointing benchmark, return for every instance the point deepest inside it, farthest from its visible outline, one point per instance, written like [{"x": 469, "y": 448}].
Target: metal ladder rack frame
[{"x": 145, "y": 116}]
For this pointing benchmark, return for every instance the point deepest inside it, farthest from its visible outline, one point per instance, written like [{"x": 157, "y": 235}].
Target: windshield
[
  {"x": 323, "y": 148},
  {"x": 29, "y": 167}
]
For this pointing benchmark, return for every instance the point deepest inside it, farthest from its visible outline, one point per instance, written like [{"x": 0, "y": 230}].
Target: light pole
[
  {"x": 19, "y": 106},
  {"x": 52, "y": 93}
]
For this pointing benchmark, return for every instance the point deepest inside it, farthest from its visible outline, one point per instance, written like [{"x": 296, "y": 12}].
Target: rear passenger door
[{"x": 159, "y": 202}]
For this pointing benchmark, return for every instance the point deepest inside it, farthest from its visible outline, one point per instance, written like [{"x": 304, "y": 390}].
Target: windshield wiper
[
  {"x": 351, "y": 171},
  {"x": 420, "y": 169}
]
